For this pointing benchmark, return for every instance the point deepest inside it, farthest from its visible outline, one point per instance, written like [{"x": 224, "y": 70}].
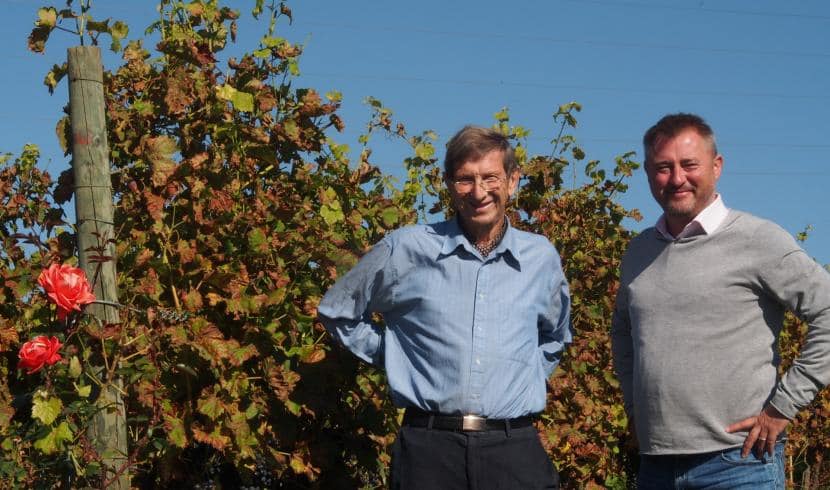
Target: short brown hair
[
  {"x": 671, "y": 125},
  {"x": 472, "y": 143}
]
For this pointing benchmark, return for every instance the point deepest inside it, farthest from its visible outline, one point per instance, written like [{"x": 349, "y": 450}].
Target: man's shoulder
[
  {"x": 526, "y": 245},
  {"x": 415, "y": 233},
  {"x": 644, "y": 238},
  {"x": 531, "y": 237},
  {"x": 760, "y": 231}
]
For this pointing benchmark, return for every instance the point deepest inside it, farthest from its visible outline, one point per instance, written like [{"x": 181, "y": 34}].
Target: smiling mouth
[{"x": 681, "y": 192}]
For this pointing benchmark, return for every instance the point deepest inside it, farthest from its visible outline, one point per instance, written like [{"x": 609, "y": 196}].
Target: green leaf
[
  {"x": 211, "y": 406},
  {"x": 273, "y": 42},
  {"x": 292, "y": 407},
  {"x": 46, "y": 410},
  {"x": 424, "y": 151},
  {"x": 63, "y": 433},
  {"x": 257, "y": 8},
  {"x": 291, "y": 129},
  {"x": 118, "y": 31},
  {"x": 252, "y": 411},
  {"x": 51, "y": 80},
  {"x": 47, "y": 444},
  {"x": 75, "y": 369},
  {"x": 243, "y": 101},
  {"x": 257, "y": 240},
  {"x": 298, "y": 466},
  {"x": 55, "y": 439},
  {"x": 47, "y": 17},
  {"x": 176, "y": 435},
  {"x": 294, "y": 67},
  {"x": 390, "y": 216},
  {"x": 332, "y": 213},
  {"x": 83, "y": 391}
]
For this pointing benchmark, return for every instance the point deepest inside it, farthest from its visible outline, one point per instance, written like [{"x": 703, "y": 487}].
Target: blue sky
[{"x": 758, "y": 71}]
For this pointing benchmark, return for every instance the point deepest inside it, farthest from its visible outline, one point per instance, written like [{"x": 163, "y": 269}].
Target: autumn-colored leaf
[
  {"x": 283, "y": 381},
  {"x": 159, "y": 151},
  {"x": 211, "y": 406},
  {"x": 193, "y": 300},
  {"x": 214, "y": 438},
  {"x": 9, "y": 337}
]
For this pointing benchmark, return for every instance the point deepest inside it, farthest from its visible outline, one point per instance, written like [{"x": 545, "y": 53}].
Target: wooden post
[{"x": 94, "y": 217}]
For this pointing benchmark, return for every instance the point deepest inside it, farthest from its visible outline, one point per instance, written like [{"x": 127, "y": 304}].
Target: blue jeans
[{"x": 718, "y": 470}]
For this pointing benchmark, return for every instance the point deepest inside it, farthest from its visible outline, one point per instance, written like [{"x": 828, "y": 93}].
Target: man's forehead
[
  {"x": 492, "y": 160},
  {"x": 689, "y": 137}
]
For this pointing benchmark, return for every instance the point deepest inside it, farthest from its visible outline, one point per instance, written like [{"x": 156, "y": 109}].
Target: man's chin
[
  {"x": 480, "y": 222},
  {"x": 675, "y": 213}
]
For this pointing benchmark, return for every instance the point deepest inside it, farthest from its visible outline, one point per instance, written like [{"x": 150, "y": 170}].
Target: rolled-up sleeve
[{"x": 346, "y": 309}]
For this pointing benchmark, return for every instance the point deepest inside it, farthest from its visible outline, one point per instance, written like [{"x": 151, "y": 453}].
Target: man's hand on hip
[{"x": 763, "y": 430}]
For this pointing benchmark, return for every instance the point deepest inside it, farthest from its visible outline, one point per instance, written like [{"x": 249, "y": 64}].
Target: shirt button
[{"x": 478, "y": 361}]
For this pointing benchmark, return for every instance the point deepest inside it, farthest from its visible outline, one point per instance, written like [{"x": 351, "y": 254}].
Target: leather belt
[{"x": 414, "y": 417}]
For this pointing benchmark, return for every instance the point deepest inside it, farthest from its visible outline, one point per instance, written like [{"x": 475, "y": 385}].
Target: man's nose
[
  {"x": 678, "y": 177},
  {"x": 478, "y": 191}
]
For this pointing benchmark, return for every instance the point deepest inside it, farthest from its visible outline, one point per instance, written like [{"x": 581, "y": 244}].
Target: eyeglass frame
[{"x": 472, "y": 181}]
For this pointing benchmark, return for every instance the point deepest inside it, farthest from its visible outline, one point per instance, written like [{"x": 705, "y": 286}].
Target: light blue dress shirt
[{"x": 464, "y": 334}]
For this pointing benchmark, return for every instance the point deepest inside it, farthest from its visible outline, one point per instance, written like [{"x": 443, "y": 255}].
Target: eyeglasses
[{"x": 487, "y": 183}]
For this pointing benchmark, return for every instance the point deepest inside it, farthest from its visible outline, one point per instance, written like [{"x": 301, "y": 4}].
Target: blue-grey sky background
[{"x": 758, "y": 71}]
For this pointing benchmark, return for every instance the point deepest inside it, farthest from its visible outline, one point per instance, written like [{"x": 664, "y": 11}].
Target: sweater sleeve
[
  {"x": 802, "y": 286},
  {"x": 622, "y": 348}
]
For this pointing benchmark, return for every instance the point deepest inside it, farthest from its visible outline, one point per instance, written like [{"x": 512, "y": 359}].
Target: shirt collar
[
  {"x": 705, "y": 223},
  {"x": 455, "y": 238}
]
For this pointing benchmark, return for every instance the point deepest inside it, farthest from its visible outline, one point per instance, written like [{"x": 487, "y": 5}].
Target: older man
[
  {"x": 695, "y": 328},
  {"x": 476, "y": 315}
]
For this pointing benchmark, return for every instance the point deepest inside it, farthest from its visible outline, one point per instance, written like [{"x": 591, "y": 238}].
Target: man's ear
[
  {"x": 513, "y": 182},
  {"x": 717, "y": 163}
]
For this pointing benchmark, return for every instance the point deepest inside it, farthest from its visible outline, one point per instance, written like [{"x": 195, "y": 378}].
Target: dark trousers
[{"x": 426, "y": 459}]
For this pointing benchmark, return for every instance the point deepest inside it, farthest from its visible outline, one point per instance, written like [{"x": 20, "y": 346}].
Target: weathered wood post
[{"x": 94, "y": 217}]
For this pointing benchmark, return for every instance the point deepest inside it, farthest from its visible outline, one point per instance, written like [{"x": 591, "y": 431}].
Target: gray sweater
[{"x": 695, "y": 330}]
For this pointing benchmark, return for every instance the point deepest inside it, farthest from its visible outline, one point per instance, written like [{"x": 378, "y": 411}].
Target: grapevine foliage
[{"x": 235, "y": 209}]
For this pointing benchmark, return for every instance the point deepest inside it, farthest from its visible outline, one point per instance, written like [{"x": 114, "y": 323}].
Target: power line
[
  {"x": 548, "y": 39},
  {"x": 701, "y": 8},
  {"x": 507, "y": 83},
  {"x": 775, "y": 173},
  {"x": 637, "y": 140}
]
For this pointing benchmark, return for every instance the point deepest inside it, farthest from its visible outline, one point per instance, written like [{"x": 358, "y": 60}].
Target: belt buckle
[{"x": 472, "y": 422}]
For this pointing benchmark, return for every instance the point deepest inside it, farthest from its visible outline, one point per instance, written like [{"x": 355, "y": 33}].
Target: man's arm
[
  {"x": 554, "y": 327},
  {"x": 803, "y": 286},
  {"x": 622, "y": 350},
  {"x": 347, "y": 307}
]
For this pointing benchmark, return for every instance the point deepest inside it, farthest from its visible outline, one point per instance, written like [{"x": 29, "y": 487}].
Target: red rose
[
  {"x": 37, "y": 353},
  {"x": 67, "y": 287}
]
